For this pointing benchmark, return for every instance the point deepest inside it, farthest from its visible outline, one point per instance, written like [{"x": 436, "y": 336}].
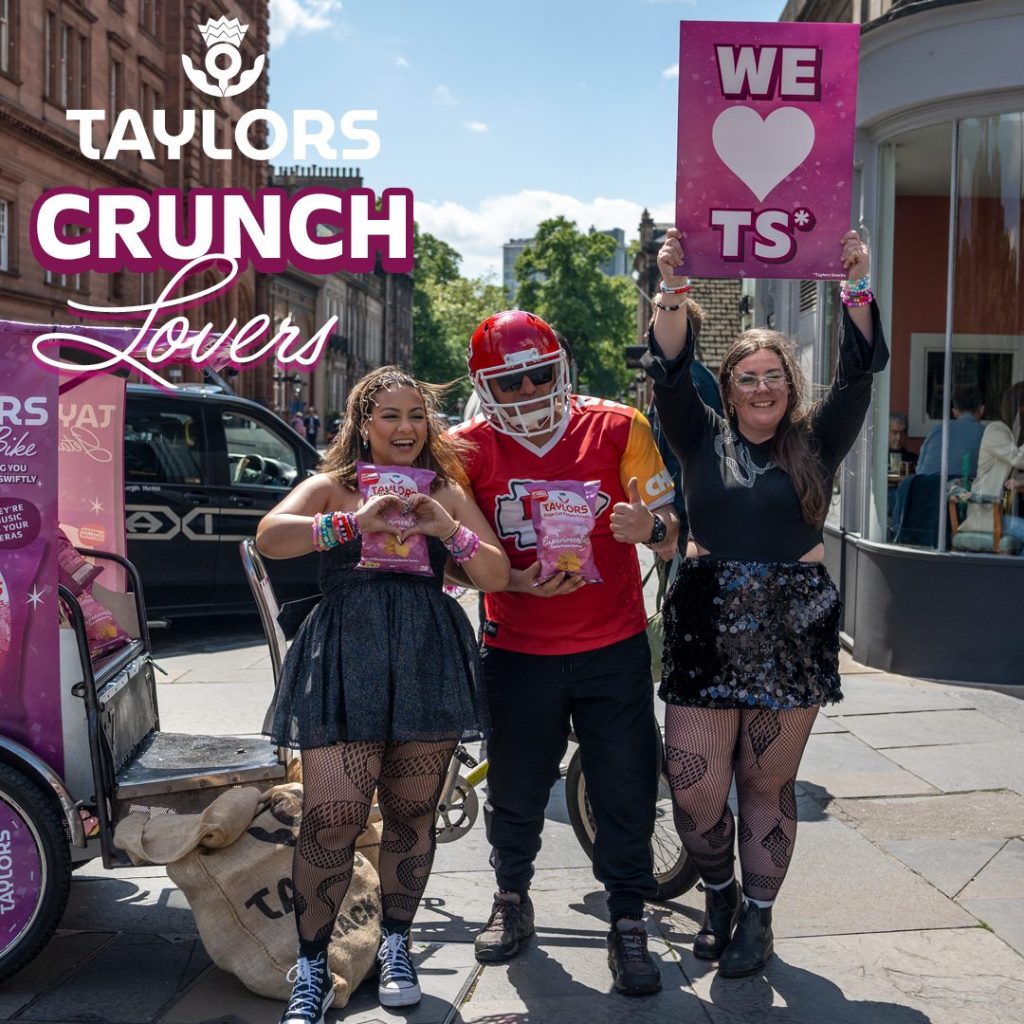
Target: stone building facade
[
  {"x": 374, "y": 314},
  {"x": 722, "y": 300},
  {"x": 60, "y": 55}
]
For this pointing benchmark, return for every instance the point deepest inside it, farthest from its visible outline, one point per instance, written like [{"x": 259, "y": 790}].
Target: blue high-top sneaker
[
  {"x": 397, "y": 984},
  {"x": 312, "y": 991}
]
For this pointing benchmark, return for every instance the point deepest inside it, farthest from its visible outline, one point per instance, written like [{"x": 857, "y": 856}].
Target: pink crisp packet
[
  {"x": 101, "y": 629},
  {"x": 563, "y": 518},
  {"x": 384, "y": 550},
  {"x": 74, "y": 571}
]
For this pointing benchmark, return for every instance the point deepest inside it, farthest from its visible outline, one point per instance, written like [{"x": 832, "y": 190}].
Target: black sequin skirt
[
  {"x": 751, "y": 634},
  {"x": 383, "y": 658}
]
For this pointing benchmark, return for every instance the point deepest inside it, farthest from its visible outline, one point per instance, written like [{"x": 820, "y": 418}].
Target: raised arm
[
  {"x": 670, "y": 323},
  {"x": 862, "y": 353},
  {"x": 669, "y": 359}
]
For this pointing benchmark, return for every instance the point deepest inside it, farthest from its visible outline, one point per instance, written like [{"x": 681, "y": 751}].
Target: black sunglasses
[{"x": 513, "y": 381}]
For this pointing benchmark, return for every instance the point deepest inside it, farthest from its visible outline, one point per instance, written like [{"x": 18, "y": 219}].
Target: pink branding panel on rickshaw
[{"x": 29, "y": 664}]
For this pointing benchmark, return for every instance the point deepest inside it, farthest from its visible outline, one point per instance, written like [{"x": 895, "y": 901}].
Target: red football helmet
[{"x": 504, "y": 349}]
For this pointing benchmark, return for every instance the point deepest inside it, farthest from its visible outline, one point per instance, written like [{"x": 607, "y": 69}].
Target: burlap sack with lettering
[{"x": 242, "y": 895}]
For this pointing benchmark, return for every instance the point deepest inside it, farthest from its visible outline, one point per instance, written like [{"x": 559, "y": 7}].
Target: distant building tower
[
  {"x": 510, "y": 252},
  {"x": 616, "y": 266},
  {"x": 513, "y": 249}
]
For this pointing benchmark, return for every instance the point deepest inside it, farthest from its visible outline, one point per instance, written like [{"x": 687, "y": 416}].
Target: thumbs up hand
[{"x": 631, "y": 521}]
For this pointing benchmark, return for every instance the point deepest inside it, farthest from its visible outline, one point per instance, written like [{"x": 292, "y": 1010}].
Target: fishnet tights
[
  {"x": 705, "y": 748},
  {"x": 338, "y": 785}
]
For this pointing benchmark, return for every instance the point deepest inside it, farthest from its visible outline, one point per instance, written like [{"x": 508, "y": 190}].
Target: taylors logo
[
  {"x": 311, "y": 132},
  {"x": 223, "y": 61}
]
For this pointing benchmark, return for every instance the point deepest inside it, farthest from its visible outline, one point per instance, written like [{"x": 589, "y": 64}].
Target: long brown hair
[
  {"x": 441, "y": 453},
  {"x": 791, "y": 445},
  {"x": 1013, "y": 411}
]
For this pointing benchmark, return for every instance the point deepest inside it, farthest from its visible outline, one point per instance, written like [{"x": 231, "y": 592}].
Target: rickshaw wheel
[{"x": 35, "y": 869}]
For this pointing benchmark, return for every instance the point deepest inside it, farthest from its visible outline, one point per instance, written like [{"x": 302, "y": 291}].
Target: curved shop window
[{"x": 952, "y": 476}]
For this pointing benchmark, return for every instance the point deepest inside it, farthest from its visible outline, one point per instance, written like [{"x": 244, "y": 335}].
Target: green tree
[
  {"x": 446, "y": 309},
  {"x": 561, "y": 281}
]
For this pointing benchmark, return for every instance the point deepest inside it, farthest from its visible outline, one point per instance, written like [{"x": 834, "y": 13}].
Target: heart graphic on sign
[{"x": 762, "y": 152}]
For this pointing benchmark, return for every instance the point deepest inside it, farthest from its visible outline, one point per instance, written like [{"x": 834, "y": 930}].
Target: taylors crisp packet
[
  {"x": 563, "y": 518},
  {"x": 384, "y": 550}
]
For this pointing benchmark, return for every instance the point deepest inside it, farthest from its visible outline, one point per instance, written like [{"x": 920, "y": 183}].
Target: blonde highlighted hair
[{"x": 441, "y": 452}]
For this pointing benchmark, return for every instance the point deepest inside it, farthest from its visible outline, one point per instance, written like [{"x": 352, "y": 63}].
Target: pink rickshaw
[{"x": 80, "y": 738}]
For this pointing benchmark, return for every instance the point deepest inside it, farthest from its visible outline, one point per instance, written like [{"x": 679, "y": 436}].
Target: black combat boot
[
  {"x": 752, "y": 943},
  {"x": 721, "y": 911}
]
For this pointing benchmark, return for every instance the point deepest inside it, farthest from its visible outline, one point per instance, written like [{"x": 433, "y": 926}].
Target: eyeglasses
[
  {"x": 774, "y": 380},
  {"x": 514, "y": 381}
]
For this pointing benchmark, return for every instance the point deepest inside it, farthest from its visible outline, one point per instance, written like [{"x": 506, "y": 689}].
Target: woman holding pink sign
[
  {"x": 382, "y": 679},
  {"x": 752, "y": 622}
]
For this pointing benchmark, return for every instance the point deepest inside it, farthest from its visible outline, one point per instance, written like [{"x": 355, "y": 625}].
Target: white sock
[
  {"x": 717, "y": 886},
  {"x": 763, "y": 904}
]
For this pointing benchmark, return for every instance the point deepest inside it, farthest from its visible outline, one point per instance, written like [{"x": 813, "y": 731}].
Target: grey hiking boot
[
  {"x": 633, "y": 970},
  {"x": 510, "y": 923}
]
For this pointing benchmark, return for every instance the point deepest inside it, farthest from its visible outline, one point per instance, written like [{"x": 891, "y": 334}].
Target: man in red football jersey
[{"x": 566, "y": 651}]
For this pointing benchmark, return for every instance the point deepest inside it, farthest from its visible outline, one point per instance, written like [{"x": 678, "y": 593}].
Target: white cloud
[
  {"x": 288, "y": 16},
  {"x": 478, "y": 234},
  {"x": 672, "y": 72},
  {"x": 476, "y": 126},
  {"x": 401, "y": 62},
  {"x": 443, "y": 96}
]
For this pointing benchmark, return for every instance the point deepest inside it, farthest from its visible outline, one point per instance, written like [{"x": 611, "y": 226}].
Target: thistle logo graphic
[{"x": 222, "y": 38}]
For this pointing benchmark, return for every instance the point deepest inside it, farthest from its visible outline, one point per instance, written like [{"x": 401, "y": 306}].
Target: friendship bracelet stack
[
  {"x": 462, "y": 543},
  {"x": 665, "y": 290},
  {"x": 334, "y": 528},
  {"x": 856, "y": 293}
]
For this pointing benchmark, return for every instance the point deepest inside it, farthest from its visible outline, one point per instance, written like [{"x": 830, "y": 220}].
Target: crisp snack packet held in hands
[
  {"x": 563, "y": 514},
  {"x": 385, "y": 550}
]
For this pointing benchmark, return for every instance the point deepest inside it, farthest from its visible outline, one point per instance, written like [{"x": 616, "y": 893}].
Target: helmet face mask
[{"x": 504, "y": 349}]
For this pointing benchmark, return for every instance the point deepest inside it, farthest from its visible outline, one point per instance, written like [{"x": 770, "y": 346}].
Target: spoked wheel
[
  {"x": 456, "y": 816},
  {"x": 672, "y": 869},
  {"x": 35, "y": 869}
]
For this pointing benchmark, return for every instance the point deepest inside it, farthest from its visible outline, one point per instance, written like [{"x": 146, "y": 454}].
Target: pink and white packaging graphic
[
  {"x": 767, "y": 113},
  {"x": 564, "y": 514},
  {"x": 386, "y": 550}
]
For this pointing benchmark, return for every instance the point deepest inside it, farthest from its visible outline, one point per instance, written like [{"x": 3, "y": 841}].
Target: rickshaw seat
[{"x": 180, "y": 765}]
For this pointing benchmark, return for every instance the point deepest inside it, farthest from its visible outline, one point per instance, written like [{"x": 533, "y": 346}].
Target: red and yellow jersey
[{"x": 601, "y": 441}]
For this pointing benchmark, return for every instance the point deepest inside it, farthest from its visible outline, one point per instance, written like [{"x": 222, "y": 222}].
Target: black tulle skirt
[
  {"x": 751, "y": 634},
  {"x": 383, "y": 657}
]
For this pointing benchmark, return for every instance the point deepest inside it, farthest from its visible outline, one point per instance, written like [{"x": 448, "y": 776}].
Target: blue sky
[{"x": 499, "y": 115}]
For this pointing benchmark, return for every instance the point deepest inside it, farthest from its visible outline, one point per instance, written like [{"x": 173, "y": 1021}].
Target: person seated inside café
[
  {"x": 901, "y": 459},
  {"x": 965, "y": 431}
]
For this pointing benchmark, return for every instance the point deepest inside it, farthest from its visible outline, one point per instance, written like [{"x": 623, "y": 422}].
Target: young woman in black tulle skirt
[
  {"x": 752, "y": 620},
  {"x": 382, "y": 679}
]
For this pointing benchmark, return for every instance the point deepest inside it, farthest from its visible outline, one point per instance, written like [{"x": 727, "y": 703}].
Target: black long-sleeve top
[{"x": 741, "y": 505}]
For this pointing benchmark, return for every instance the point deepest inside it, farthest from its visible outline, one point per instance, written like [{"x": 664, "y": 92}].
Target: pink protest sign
[
  {"x": 29, "y": 668},
  {"x": 766, "y": 121}
]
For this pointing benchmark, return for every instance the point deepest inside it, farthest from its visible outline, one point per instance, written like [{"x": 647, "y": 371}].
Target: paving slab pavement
[{"x": 904, "y": 905}]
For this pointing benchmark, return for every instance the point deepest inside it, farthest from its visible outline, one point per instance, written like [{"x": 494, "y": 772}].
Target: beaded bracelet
[
  {"x": 862, "y": 284},
  {"x": 462, "y": 545},
  {"x": 669, "y": 309},
  {"x": 860, "y": 298},
  {"x": 681, "y": 289},
  {"x": 329, "y": 531}
]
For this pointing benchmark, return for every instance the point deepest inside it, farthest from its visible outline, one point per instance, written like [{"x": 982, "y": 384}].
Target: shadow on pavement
[{"x": 809, "y": 999}]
